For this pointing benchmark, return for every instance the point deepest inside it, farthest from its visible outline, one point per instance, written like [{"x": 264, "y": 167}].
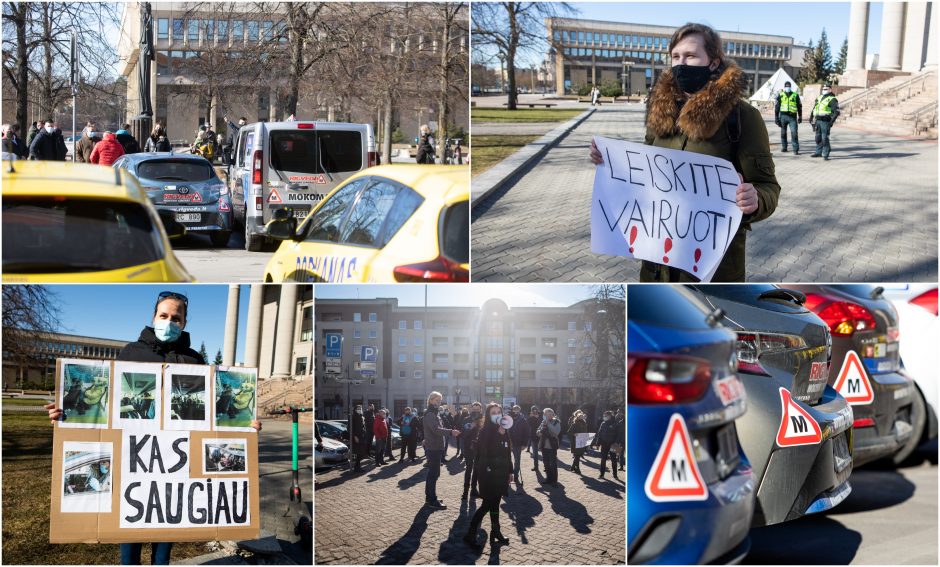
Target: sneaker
[
  {"x": 437, "y": 505},
  {"x": 826, "y": 158}
]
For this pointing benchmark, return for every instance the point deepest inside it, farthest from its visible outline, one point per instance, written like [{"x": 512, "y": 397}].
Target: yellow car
[
  {"x": 67, "y": 222},
  {"x": 391, "y": 223}
]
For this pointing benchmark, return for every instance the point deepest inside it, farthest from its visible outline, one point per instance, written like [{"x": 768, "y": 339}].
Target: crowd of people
[{"x": 489, "y": 443}]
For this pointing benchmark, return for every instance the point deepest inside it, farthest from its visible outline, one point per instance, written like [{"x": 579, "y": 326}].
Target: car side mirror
[
  {"x": 283, "y": 226},
  {"x": 174, "y": 229}
]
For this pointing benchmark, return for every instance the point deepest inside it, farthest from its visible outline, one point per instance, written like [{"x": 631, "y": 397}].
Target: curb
[{"x": 490, "y": 181}]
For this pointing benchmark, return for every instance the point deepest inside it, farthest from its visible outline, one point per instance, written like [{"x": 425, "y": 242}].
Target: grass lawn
[
  {"x": 487, "y": 151},
  {"x": 27, "y": 472},
  {"x": 24, "y": 401},
  {"x": 522, "y": 115}
]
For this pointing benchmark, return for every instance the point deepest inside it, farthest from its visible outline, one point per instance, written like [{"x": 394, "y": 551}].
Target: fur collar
[{"x": 703, "y": 112}]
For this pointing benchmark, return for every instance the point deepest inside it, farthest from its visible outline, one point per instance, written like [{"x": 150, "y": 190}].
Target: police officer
[
  {"x": 788, "y": 112},
  {"x": 824, "y": 114}
]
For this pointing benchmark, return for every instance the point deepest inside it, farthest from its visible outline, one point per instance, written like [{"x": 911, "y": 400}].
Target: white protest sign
[
  {"x": 666, "y": 206},
  {"x": 582, "y": 440}
]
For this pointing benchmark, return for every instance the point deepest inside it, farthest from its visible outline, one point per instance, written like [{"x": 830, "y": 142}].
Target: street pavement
[
  {"x": 889, "y": 519},
  {"x": 867, "y": 215},
  {"x": 377, "y": 517},
  {"x": 278, "y": 513}
]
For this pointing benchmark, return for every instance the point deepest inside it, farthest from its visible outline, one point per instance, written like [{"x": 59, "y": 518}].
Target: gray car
[{"x": 188, "y": 186}]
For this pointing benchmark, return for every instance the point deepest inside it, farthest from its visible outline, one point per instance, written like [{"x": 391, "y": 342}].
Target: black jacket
[
  {"x": 578, "y": 426},
  {"x": 129, "y": 143},
  {"x": 519, "y": 431},
  {"x": 44, "y": 146},
  {"x": 14, "y": 144},
  {"x": 231, "y": 133},
  {"x": 493, "y": 461},
  {"x": 60, "y": 148},
  {"x": 147, "y": 348},
  {"x": 606, "y": 434},
  {"x": 359, "y": 430},
  {"x": 534, "y": 422}
]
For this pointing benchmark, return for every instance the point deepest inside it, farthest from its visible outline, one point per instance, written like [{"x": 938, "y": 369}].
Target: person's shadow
[
  {"x": 453, "y": 550},
  {"x": 400, "y": 552},
  {"x": 418, "y": 476},
  {"x": 576, "y": 512},
  {"x": 522, "y": 510}
]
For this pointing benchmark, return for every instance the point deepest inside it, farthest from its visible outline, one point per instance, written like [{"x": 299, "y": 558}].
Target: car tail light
[
  {"x": 223, "y": 205},
  {"x": 258, "y": 202},
  {"x": 373, "y": 159},
  {"x": 256, "y": 168},
  {"x": 751, "y": 346},
  {"x": 439, "y": 269},
  {"x": 306, "y": 126},
  {"x": 927, "y": 300},
  {"x": 864, "y": 422},
  {"x": 666, "y": 378},
  {"x": 843, "y": 317}
]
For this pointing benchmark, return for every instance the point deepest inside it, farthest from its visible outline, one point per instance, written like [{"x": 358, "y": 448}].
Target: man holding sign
[{"x": 684, "y": 205}]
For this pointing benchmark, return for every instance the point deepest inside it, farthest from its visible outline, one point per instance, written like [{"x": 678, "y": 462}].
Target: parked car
[
  {"x": 334, "y": 429},
  {"x": 867, "y": 369},
  {"x": 690, "y": 488},
  {"x": 292, "y": 166},
  {"x": 65, "y": 222},
  {"x": 391, "y": 223},
  {"x": 797, "y": 433},
  {"x": 330, "y": 453},
  {"x": 187, "y": 186}
]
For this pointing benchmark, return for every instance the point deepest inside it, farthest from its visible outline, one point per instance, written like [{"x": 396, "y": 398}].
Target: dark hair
[
  {"x": 713, "y": 45},
  {"x": 162, "y": 299},
  {"x": 127, "y": 126},
  {"x": 243, "y": 118}
]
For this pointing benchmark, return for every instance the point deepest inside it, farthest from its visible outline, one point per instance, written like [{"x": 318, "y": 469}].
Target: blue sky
[
  {"x": 800, "y": 20},
  {"x": 517, "y": 295},
  {"x": 120, "y": 312}
]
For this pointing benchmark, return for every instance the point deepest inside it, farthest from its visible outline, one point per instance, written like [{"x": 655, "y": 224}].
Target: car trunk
[
  {"x": 877, "y": 347},
  {"x": 182, "y": 182}
]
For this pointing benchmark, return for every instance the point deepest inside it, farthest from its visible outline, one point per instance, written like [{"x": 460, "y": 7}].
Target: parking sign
[
  {"x": 367, "y": 358},
  {"x": 334, "y": 345}
]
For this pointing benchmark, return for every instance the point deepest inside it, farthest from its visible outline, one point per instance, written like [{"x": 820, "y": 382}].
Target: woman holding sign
[
  {"x": 697, "y": 106},
  {"x": 164, "y": 341}
]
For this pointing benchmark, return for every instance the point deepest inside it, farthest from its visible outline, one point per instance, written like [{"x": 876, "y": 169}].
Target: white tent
[{"x": 771, "y": 89}]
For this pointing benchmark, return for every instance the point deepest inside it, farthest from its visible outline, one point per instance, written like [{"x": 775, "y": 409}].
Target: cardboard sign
[
  {"x": 666, "y": 206},
  {"x": 582, "y": 440},
  {"x": 145, "y": 455},
  {"x": 675, "y": 476}
]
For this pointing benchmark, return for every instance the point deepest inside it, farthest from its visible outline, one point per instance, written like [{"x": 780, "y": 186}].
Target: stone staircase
[
  {"x": 904, "y": 105},
  {"x": 275, "y": 394}
]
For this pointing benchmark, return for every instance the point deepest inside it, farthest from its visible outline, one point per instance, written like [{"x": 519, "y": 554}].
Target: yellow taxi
[
  {"x": 67, "y": 222},
  {"x": 391, "y": 223}
]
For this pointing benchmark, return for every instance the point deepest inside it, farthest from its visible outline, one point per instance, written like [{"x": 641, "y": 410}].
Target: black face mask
[{"x": 691, "y": 78}]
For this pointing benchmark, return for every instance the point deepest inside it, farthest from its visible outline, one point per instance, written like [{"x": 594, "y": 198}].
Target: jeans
[
  {"x": 470, "y": 477},
  {"x": 822, "y": 137},
  {"x": 576, "y": 464},
  {"x": 159, "y": 553},
  {"x": 789, "y": 121},
  {"x": 534, "y": 447},
  {"x": 605, "y": 452},
  {"x": 550, "y": 459},
  {"x": 409, "y": 443},
  {"x": 516, "y": 457},
  {"x": 380, "y": 451},
  {"x": 434, "y": 472}
]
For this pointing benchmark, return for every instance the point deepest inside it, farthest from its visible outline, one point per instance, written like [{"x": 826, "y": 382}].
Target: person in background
[
  {"x": 370, "y": 426},
  {"x": 156, "y": 134},
  {"x": 34, "y": 129},
  {"x": 388, "y": 438},
  {"x": 494, "y": 464},
  {"x": 448, "y": 423},
  {"x": 61, "y": 150},
  {"x": 409, "y": 435},
  {"x": 520, "y": 438},
  {"x": 788, "y": 113},
  {"x": 43, "y": 146},
  {"x": 359, "y": 437},
  {"x": 231, "y": 136},
  {"x": 86, "y": 144},
  {"x": 621, "y": 438},
  {"x": 472, "y": 427},
  {"x": 107, "y": 151},
  {"x": 605, "y": 438},
  {"x": 534, "y": 420},
  {"x": 460, "y": 415},
  {"x": 425, "y": 145},
  {"x": 578, "y": 425},
  {"x": 822, "y": 118},
  {"x": 127, "y": 140},
  {"x": 434, "y": 434},
  {"x": 548, "y": 432},
  {"x": 13, "y": 144},
  {"x": 380, "y": 430}
]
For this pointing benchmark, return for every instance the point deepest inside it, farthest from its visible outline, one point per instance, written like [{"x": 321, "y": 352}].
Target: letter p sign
[{"x": 367, "y": 354}]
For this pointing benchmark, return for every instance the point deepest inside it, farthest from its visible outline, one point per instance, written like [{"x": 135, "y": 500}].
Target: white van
[{"x": 292, "y": 165}]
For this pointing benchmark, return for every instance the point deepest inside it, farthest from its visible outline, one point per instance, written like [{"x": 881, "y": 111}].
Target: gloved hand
[
  {"x": 800, "y": 120},
  {"x": 777, "y": 122}
]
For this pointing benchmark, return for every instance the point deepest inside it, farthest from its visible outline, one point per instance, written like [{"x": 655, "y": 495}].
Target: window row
[{"x": 220, "y": 30}]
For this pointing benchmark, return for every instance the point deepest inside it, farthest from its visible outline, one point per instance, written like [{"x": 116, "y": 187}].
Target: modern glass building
[{"x": 633, "y": 55}]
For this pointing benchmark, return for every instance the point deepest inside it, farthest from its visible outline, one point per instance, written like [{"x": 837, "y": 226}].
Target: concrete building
[
  {"x": 533, "y": 355},
  {"x": 633, "y": 55},
  {"x": 908, "y": 43},
  {"x": 189, "y": 38},
  {"x": 278, "y": 332},
  {"x": 40, "y": 370}
]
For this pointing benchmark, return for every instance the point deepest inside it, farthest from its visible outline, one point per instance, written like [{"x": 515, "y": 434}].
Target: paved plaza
[
  {"x": 377, "y": 516},
  {"x": 867, "y": 215}
]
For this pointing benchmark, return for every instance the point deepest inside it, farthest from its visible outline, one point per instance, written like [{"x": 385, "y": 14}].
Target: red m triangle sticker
[
  {"x": 853, "y": 382},
  {"x": 797, "y": 426},
  {"x": 274, "y": 196},
  {"x": 675, "y": 475}
]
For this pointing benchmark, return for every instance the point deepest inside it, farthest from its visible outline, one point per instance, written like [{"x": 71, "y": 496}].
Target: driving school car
[
  {"x": 292, "y": 166},
  {"x": 797, "y": 433},
  {"x": 187, "y": 186},
  {"x": 65, "y": 222},
  {"x": 391, "y": 223},
  {"x": 866, "y": 368},
  {"x": 690, "y": 492}
]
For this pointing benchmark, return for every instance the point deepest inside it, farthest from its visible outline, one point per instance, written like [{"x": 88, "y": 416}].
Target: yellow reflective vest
[
  {"x": 822, "y": 105},
  {"x": 789, "y": 102}
]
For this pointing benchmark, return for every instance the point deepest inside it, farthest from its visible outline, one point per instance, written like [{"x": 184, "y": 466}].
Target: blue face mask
[
  {"x": 103, "y": 468},
  {"x": 167, "y": 331},
  {"x": 495, "y": 418}
]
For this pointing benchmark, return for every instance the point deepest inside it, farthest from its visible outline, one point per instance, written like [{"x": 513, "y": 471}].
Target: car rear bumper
[
  {"x": 891, "y": 411},
  {"x": 210, "y": 219}
]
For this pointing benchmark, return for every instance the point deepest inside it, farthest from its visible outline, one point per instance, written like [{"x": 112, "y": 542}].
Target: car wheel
[
  {"x": 220, "y": 238},
  {"x": 253, "y": 242},
  {"x": 918, "y": 422}
]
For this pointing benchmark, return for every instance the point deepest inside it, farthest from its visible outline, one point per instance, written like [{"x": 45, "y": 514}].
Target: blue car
[
  {"x": 691, "y": 490},
  {"x": 188, "y": 186}
]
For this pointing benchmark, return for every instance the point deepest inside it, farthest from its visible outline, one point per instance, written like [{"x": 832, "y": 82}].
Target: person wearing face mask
[
  {"x": 86, "y": 144},
  {"x": 548, "y": 432},
  {"x": 520, "y": 438},
  {"x": 534, "y": 420},
  {"x": 164, "y": 341},
  {"x": 359, "y": 445},
  {"x": 472, "y": 427},
  {"x": 697, "y": 106},
  {"x": 788, "y": 113},
  {"x": 578, "y": 425},
  {"x": 494, "y": 464},
  {"x": 824, "y": 114},
  {"x": 231, "y": 136},
  {"x": 370, "y": 426},
  {"x": 44, "y": 145},
  {"x": 409, "y": 435},
  {"x": 434, "y": 435},
  {"x": 101, "y": 479},
  {"x": 606, "y": 436}
]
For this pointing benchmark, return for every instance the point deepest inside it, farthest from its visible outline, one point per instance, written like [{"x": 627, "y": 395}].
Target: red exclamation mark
[
  {"x": 698, "y": 256},
  {"x": 632, "y": 238},
  {"x": 666, "y": 248}
]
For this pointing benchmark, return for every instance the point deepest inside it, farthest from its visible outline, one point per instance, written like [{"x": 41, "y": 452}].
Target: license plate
[
  {"x": 300, "y": 214},
  {"x": 188, "y": 217},
  {"x": 728, "y": 456}
]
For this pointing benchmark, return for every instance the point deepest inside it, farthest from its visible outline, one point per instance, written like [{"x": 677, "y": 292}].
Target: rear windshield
[
  {"x": 297, "y": 151},
  {"x": 49, "y": 236},
  {"x": 175, "y": 170},
  {"x": 666, "y": 306},
  {"x": 861, "y": 291},
  {"x": 455, "y": 233}
]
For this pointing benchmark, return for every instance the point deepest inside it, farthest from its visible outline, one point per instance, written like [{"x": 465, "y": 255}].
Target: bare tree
[
  {"x": 30, "y": 312},
  {"x": 511, "y": 29},
  {"x": 604, "y": 353},
  {"x": 451, "y": 19},
  {"x": 16, "y": 55}
]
